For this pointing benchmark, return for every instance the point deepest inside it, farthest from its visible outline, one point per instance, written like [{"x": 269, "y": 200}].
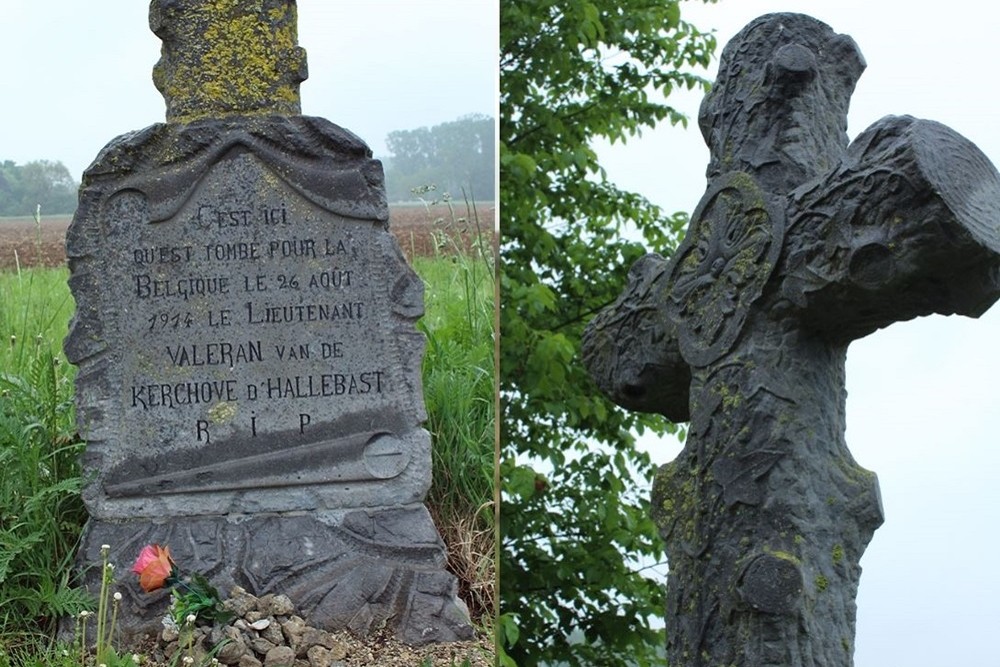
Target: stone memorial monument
[
  {"x": 249, "y": 370},
  {"x": 800, "y": 245}
]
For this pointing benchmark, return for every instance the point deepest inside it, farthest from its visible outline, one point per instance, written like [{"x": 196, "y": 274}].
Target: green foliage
[
  {"x": 41, "y": 514},
  {"x": 459, "y": 394},
  {"x": 574, "y": 526},
  {"x": 200, "y": 599},
  {"x": 453, "y": 157},
  {"x": 39, "y": 183}
]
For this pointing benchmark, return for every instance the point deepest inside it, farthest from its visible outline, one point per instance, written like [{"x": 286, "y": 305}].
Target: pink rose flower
[{"x": 154, "y": 566}]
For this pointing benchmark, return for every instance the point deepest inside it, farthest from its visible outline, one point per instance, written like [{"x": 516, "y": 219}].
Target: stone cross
[
  {"x": 800, "y": 245},
  {"x": 249, "y": 367}
]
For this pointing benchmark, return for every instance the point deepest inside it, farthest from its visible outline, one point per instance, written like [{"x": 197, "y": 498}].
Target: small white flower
[
  {"x": 118, "y": 596},
  {"x": 136, "y": 658},
  {"x": 191, "y": 618},
  {"x": 188, "y": 660},
  {"x": 105, "y": 547}
]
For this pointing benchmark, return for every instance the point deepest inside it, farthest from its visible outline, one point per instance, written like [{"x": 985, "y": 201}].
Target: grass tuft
[
  {"x": 41, "y": 513},
  {"x": 459, "y": 393}
]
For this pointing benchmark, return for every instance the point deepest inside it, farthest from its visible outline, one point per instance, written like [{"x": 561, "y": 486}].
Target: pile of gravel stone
[{"x": 266, "y": 632}]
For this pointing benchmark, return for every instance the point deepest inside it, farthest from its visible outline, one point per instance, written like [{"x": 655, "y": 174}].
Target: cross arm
[
  {"x": 631, "y": 348},
  {"x": 907, "y": 225}
]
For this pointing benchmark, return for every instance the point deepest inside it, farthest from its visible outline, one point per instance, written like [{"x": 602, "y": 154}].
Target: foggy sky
[{"x": 77, "y": 74}]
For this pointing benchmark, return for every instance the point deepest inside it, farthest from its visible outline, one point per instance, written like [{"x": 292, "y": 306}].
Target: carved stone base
[{"x": 359, "y": 570}]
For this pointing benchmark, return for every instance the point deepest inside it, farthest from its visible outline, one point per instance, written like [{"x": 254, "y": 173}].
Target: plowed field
[{"x": 420, "y": 230}]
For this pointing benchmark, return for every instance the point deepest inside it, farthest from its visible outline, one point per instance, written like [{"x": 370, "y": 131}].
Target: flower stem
[
  {"x": 102, "y": 603},
  {"x": 114, "y": 620},
  {"x": 81, "y": 632}
]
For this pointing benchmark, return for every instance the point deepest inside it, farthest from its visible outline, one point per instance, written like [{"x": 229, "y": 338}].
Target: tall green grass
[
  {"x": 41, "y": 514},
  {"x": 459, "y": 391}
]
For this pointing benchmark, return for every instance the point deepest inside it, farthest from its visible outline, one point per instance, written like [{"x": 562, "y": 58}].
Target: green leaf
[
  {"x": 521, "y": 482},
  {"x": 573, "y": 522}
]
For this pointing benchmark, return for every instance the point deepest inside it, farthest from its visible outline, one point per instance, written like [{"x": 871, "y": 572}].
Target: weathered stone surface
[
  {"x": 272, "y": 633},
  {"x": 800, "y": 245},
  {"x": 270, "y": 362},
  {"x": 233, "y": 649},
  {"x": 275, "y": 605},
  {"x": 261, "y": 646},
  {"x": 249, "y": 367},
  {"x": 293, "y": 629},
  {"x": 313, "y": 637},
  {"x": 325, "y": 561},
  {"x": 240, "y": 602},
  {"x": 203, "y": 40},
  {"x": 279, "y": 656},
  {"x": 320, "y": 657}
]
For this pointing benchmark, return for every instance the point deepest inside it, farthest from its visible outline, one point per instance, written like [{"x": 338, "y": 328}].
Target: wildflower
[
  {"x": 118, "y": 596},
  {"x": 154, "y": 566}
]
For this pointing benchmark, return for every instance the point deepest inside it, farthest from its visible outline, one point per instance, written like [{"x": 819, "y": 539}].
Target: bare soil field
[{"x": 421, "y": 231}]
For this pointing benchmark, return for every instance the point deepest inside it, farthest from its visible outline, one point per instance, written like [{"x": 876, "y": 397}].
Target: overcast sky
[
  {"x": 76, "y": 74},
  {"x": 923, "y": 409}
]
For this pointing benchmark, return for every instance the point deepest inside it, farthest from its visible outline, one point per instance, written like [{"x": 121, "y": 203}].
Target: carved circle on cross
[{"x": 721, "y": 267}]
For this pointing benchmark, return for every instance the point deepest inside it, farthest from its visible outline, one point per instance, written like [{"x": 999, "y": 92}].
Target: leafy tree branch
[{"x": 577, "y": 534}]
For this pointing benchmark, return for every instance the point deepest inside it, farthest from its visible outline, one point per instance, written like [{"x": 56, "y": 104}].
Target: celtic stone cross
[{"x": 800, "y": 245}]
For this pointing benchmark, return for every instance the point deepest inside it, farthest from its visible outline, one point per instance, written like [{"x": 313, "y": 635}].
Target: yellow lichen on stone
[
  {"x": 222, "y": 412},
  {"x": 223, "y": 57}
]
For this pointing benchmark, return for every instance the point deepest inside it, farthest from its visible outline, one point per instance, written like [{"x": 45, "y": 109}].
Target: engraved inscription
[{"x": 246, "y": 308}]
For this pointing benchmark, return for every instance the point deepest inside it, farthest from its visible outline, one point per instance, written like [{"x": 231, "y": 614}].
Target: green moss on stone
[
  {"x": 783, "y": 555},
  {"x": 228, "y": 57},
  {"x": 222, "y": 412}
]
